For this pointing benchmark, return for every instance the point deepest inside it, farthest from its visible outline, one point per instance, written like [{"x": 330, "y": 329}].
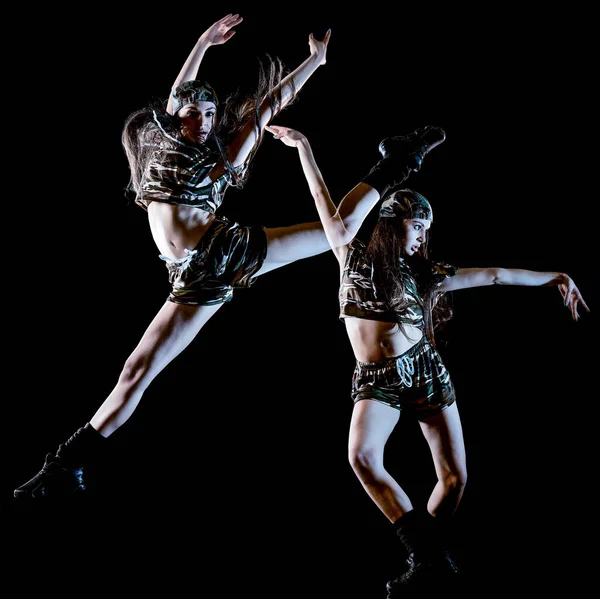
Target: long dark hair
[
  {"x": 385, "y": 250},
  {"x": 151, "y": 130}
]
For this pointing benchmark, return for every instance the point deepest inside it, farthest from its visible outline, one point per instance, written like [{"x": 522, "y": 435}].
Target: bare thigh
[
  {"x": 288, "y": 244},
  {"x": 444, "y": 435},
  {"x": 371, "y": 426}
]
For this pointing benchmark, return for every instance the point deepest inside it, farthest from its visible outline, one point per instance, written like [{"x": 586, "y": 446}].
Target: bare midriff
[
  {"x": 177, "y": 228},
  {"x": 373, "y": 340}
]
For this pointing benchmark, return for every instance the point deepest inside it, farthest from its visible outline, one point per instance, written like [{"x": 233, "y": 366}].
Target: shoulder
[
  {"x": 430, "y": 274},
  {"x": 424, "y": 266},
  {"x": 443, "y": 269}
]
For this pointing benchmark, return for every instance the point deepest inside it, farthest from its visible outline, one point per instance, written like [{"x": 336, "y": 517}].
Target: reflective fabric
[
  {"x": 228, "y": 256},
  {"x": 416, "y": 381}
]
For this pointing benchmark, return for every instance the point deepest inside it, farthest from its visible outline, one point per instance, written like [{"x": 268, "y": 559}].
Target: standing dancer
[{"x": 391, "y": 299}]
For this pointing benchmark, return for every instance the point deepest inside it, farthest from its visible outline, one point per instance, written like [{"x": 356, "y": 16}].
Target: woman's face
[
  {"x": 415, "y": 234},
  {"x": 197, "y": 121}
]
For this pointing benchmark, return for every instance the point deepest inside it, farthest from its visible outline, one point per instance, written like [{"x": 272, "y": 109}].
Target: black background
[{"x": 232, "y": 478}]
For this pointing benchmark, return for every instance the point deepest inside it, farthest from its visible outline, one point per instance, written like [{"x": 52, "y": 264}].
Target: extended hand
[
  {"x": 219, "y": 32},
  {"x": 319, "y": 49},
  {"x": 290, "y": 137},
  {"x": 572, "y": 296}
]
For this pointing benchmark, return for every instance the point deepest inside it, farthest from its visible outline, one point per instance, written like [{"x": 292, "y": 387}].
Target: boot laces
[
  {"x": 72, "y": 438},
  {"x": 52, "y": 462}
]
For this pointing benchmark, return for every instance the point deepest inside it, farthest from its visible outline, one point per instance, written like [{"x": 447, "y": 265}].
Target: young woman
[
  {"x": 183, "y": 156},
  {"x": 391, "y": 298},
  {"x": 182, "y": 160}
]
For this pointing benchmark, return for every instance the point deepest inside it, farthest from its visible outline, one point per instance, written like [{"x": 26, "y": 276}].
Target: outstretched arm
[
  {"x": 218, "y": 33},
  {"x": 293, "y": 82},
  {"x": 332, "y": 223},
  {"x": 241, "y": 146},
  {"x": 466, "y": 278},
  {"x": 339, "y": 229}
]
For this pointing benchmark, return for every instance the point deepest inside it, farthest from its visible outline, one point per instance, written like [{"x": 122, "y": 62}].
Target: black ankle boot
[
  {"x": 62, "y": 474},
  {"x": 400, "y": 156},
  {"x": 415, "y": 535},
  {"x": 416, "y": 145},
  {"x": 443, "y": 562},
  {"x": 429, "y": 563}
]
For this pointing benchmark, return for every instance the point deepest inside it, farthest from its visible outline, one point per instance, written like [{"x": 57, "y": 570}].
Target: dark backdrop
[{"x": 232, "y": 474}]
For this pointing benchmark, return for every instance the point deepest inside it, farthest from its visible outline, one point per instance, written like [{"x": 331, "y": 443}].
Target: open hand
[
  {"x": 290, "y": 137},
  {"x": 319, "y": 48},
  {"x": 221, "y": 31}
]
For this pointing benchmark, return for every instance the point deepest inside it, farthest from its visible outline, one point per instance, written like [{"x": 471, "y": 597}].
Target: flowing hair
[
  {"x": 151, "y": 130},
  {"x": 243, "y": 108},
  {"x": 385, "y": 251}
]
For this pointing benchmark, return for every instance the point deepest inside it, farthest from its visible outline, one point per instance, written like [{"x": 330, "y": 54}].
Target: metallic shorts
[
  {"x": 228, "y": 256},
  {"x": 416, "y": 381}
]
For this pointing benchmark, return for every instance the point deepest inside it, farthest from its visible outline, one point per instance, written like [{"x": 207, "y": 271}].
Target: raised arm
[
  {"x": 333, "y": 225},
  {"x": 466, "y": 278},
  {"x": 359, "y": 208},
  {"x": 241, "y": 146},
  {"x": 218, "y": 33},
  {"x": 342, "y": 223},
  {"x": 293, "y": 82}
]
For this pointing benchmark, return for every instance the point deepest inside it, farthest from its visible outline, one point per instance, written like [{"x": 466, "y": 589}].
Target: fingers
[
  {"x": 575, "y": 299},
  {"x": 564, "y": 293},
  {"x": 571, "y": 303},
  {"x": 311, "y": 37},
  {"x": 574, "y": 302},
  {"x": 231, "y": 17},
  {"x": 582, "y": 301},
  {"x": 573, "y": 308},
  {"x": 275, "y": 130},
  {"x": 584, "y": 305},
  {"x": 231, "y": 20}
]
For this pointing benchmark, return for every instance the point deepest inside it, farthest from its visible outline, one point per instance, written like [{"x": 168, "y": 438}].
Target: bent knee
[
  {"x": 365, "y": 460},
  {"x": 455, "y": 481}
]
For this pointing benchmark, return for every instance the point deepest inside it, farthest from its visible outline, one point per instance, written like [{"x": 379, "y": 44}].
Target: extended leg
[
  {"x": 295, "y": 242},
  {"x": 171, "y": 331}
]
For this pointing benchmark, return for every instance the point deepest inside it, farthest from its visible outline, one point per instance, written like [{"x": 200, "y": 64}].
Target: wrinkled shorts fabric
[
  {"x": 415, "y": 382},
  {"x": 227, "y": 257}
]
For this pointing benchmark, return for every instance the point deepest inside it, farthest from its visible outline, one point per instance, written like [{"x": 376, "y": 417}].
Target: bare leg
[
  {"x": 288, "y": 244},
  {"x": 170, "y": 332},
  {"x": 444, "y": 436},
  {"x": 426, "y": 538},
  {"x": 372, "y": 424}
]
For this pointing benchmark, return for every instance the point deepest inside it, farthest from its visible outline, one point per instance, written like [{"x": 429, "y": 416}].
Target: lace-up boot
[
  {"x": 400, "y": 156},
  {"x": 64, "y": 474}
]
